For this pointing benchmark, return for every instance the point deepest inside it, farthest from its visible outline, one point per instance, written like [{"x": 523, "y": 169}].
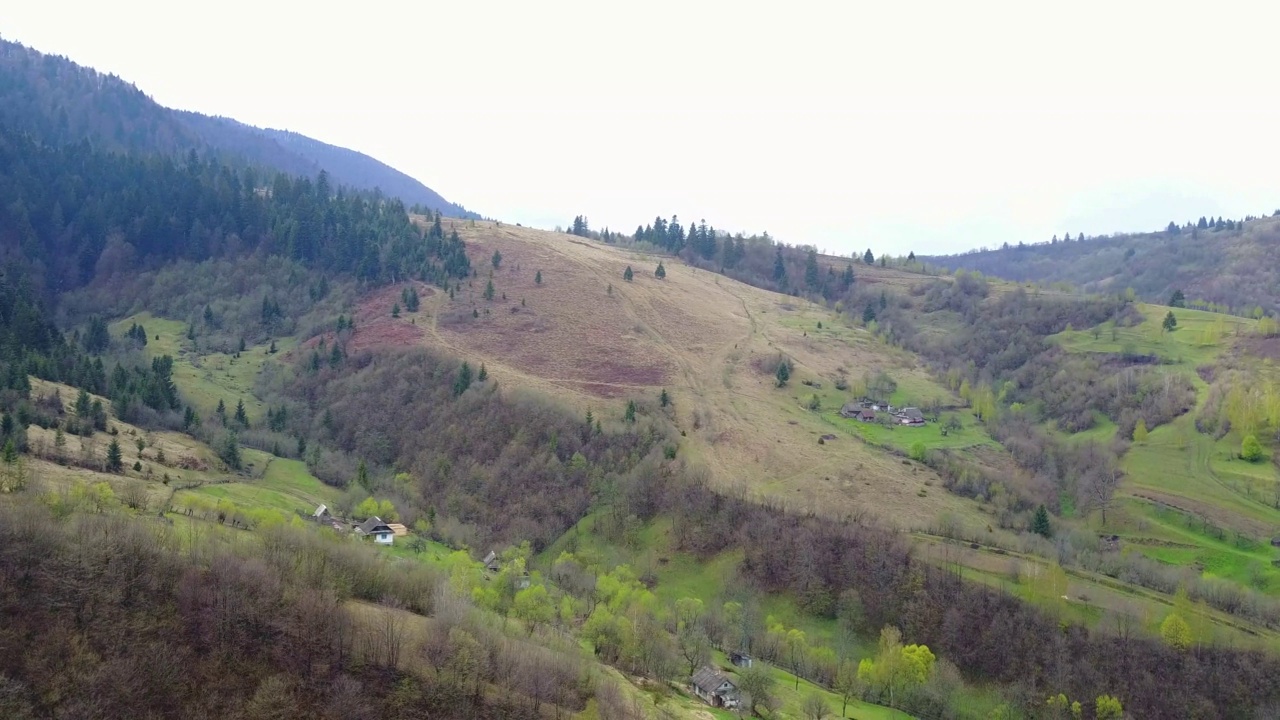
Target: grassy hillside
[{"x": 594, "y": 340}]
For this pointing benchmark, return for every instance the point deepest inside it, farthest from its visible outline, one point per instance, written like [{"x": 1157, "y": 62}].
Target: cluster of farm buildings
[
  {"x": 873, "y": 411},
  {"x": 382, "y": 533}
]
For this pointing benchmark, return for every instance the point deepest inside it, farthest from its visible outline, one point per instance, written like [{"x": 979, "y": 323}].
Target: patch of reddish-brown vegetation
[
  {"x": 376, "y": 328},
  {"x": 566, "y": 329},
  {"x": 598, "y": 389},
  {"x": 374, "y": 325},
  {"x": 1267, "y": 348}
]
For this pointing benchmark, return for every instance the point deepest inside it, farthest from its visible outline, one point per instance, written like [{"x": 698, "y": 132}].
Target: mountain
[
  {"x": 1227, "y": 265},
  {"x": 58, "y": 102}
]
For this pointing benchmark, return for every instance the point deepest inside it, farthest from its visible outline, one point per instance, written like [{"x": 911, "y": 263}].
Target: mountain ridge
[{"x": 58, "y": 101}]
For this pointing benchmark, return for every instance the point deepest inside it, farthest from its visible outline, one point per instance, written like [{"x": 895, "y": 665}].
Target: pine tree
[
  {"x": 230, "y": 451},
  {"x": 868, "y": 258},
  {"x": 10, "y": 454},
  {"x": 811, "y": 276},
  {"x": 1178, "y": 299},
  {"x": 627, "y": 274},
  {"x": 488, "y": 291},
  {"x": 272, "y": 350},
  {"x": 463, "y": 379},
  {"x": 1170, "y": 322},
  {"x": 661, "y": 272},
  {"x": 847, "y": 278},
  {"x": 537, "y": 279},
  {"x": 783, "y": 373},
  {"x": 630, "y": 414},
  {"x": 869, "y": 314},
  {"x": 395, "y": 310},
  {"x": 115, "y": 459},
  {"x": 242, "y": 345},
  {"x": 664, "y": 399},
  {"x": 911, "y": 256},
  {"x": 1040, "y": 524},
  {"x": 590, "y": 418},
  {"x": 483, "y": 374},
  {"x": 497, "y": 259}
]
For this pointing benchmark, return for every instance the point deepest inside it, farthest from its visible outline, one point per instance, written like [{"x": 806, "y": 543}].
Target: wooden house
[{"x": 714, "y": 688}]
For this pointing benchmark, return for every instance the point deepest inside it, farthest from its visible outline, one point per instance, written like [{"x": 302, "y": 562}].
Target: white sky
[{"x": 925, "y": 126}]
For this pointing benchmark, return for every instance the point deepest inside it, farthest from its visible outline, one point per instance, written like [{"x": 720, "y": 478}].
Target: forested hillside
[
  {"x": 58, "y": 102},
  {"x": 1229, "y": 265}
]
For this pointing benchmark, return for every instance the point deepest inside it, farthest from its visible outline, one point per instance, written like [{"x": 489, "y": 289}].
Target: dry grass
[
  {"x": 699, "y": 335},
  {"x": 80, "y": 460}
]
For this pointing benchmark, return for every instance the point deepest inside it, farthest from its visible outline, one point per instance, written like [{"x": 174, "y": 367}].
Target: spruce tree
[
  {"x": 779, "y": 266},
  {"x": 868, "y": 258},
  {"x": 463, "y": 379},
  {"x": 661, "y": 272},
  {"x": 395, "y": 310},
  {"x": 628, "y": 274},
  {"x": 537, "y": 279},
  {"x": 664, "y": 399},
  {"x": 10, "y": 455},
  {"x": 783, "y": 373},
  {"x": 630, "y": 414},
  {"x": 488, "y": 291},
  {"x": 497, "y": 259},
  {"x": 1170, "y": 322},
  {"x": 241, "y": 416},
  {"x": 115, "y": 459},
  {"x": 483, "y": 374},
  {"x": 1040, "y": 524}
]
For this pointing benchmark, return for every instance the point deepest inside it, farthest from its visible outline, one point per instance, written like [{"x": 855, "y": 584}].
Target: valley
[{"x": 278, "y": 443}]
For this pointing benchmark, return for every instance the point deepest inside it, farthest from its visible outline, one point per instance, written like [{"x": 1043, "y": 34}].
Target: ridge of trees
[
  {"x": 58, "y": 102},
  {"x": 1212, "y": 263}
]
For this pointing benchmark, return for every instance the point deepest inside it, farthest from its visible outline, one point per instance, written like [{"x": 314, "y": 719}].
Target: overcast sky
[{"x": 900, "y": 126}]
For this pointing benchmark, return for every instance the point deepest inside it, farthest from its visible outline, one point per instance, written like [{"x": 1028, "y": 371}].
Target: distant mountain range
[{"x": 58, "y": 102}]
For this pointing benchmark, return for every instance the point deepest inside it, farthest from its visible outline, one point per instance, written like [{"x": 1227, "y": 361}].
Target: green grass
[
  {"x": 971, "y": 434},
  {"x": 1177, "y": 460},
  {"x": 1199, "y": 338},
  {"x": 204, "y": 379},
  {"x": 292, "y": 477},
  {"x": 1185, "y": 542},
  {"x": 286, "y": 486}
]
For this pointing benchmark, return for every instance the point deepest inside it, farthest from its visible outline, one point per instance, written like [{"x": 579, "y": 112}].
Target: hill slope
[
  {"x": 1235, "y": 268},
  {"x": 594, "y": 340},
  {"x": 59, "y": 102}
]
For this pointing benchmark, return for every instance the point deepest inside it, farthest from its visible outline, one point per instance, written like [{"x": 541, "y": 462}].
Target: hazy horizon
[{"x": 936, "y": 129}]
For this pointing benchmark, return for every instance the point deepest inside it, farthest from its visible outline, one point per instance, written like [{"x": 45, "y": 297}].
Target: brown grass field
[{"x": 699, "y": 335}]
